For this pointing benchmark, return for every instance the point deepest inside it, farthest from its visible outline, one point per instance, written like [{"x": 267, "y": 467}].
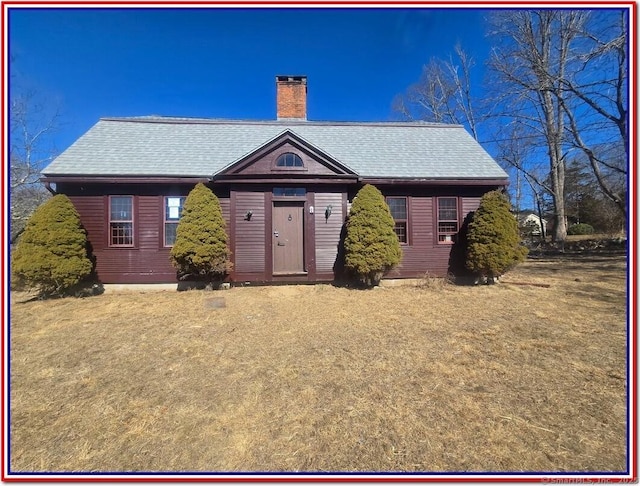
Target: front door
[{"x": 288, "y": 238}]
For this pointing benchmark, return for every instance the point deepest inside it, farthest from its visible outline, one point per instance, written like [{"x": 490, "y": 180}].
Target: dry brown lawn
[{"x": 317, "y": 378}]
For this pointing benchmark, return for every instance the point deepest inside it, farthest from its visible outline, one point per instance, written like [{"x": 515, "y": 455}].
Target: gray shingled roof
[{"x": 159, "y": 146}]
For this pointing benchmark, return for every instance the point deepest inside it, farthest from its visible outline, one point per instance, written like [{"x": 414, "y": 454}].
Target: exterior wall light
[
  {"x": 327, "y": 211},
  {"x": 247, "y": 217}
]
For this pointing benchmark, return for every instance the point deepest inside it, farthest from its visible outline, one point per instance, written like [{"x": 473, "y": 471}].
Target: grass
[{"x": 426, "y": 378}]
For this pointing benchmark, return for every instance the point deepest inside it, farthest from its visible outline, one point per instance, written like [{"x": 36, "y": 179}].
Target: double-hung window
[
  {"x": 447, "y": 219},
  {"x": 121, "y": 221},
  {"x": 172, "y": 213},
  {"x": 398, "y": 208}
]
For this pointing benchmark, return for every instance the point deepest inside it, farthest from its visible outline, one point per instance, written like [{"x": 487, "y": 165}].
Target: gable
[{"x": 264, "y": 161}]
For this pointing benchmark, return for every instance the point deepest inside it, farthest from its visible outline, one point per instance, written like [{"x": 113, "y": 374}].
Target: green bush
[
  {"x": 580, "y": 229},
  {"x": 51, "y": 255},
  {"x": 371, "y": 245},
  {"x": 493, "y": 238},
  {"x": 200, "y": 251}
]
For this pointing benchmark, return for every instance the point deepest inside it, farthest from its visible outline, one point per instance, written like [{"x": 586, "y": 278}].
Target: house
[
  {"x": 285, "y": 187},
  {"x": 530, "y": 219}
]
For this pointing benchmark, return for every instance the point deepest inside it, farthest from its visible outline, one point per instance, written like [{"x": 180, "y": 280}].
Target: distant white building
[{"x": 530, "y": 218}]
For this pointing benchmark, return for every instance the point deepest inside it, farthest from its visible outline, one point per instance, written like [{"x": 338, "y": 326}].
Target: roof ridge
[{"x": 227, "y": 121}]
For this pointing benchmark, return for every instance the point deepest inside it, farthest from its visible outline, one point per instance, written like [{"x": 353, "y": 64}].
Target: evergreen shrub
[
  {"x": 371, "y": 246},
  {"x": 201, "y": 252},
  {"x": 51, "y": 255},
  {"x": 494, "y": 245},
  {"x": 580, "y": 229}
]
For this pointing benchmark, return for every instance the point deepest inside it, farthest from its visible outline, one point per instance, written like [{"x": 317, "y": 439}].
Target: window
[
  {"x": 121, "y": 221},
  {"x": 289, "y": 191},
  {"x": 172, "y": 214},
  {"x": 398, "y": 207},
  {"x": 447, "y": 219},
  {"x": 289, "y": 160}
]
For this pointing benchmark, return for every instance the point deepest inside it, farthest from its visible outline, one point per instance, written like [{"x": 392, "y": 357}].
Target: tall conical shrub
[
  {"x": 371, "y": 246},
  {"x": 200, "y": 251},
  {"x": 51, "y": 255},
  {"x": 493, "y": 239}
]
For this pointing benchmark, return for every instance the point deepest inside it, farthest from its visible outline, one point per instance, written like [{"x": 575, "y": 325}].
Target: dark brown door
[{"x": 288, "y": 238}]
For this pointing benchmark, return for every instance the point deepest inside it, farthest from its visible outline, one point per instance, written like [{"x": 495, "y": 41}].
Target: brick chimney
[{"x": 291, "y": 97}]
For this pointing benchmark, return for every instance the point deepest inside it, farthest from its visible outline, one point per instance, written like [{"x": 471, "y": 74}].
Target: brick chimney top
[{"x": 291, "y": 97}]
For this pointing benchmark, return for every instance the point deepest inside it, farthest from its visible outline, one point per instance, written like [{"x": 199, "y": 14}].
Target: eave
[
  {"x": 263, "y": 178},
  {"x": 413, "y": 181},
  {"x": 285, "y": 179},
  {"x": 128, "y": 179}
]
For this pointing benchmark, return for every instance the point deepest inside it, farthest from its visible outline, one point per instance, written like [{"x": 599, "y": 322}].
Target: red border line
[
  {"x": 551, "y": 478},
  {"x": 2, "y": 246},
  {"x": 506, "y": 477},
  {"x": 314, "y": 2},
  {"x": 633, "y": 315}
]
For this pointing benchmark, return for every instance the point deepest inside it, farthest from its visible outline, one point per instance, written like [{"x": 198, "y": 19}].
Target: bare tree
[
  {"x": 531, "y": 55},
  {"x": 598, "y": 116},
  {"x": 563, "y": 75},
  {"x": 515, "y": 149},
  {"x": 30, "y": 150},
  {"x": 442, "y": 94},
  {"x": 558, "y": 80}
]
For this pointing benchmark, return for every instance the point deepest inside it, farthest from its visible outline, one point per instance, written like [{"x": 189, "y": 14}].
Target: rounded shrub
[
  {"x": 580, "y": 229},
  {"x": 201, "y": 252},
  {"x": 493, "y": 238},
  {"x": 371, "y": 246},
  {"x": 51, "y": 255}
]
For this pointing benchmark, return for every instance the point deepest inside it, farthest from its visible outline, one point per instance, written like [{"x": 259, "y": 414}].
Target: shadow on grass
[
  {"x": 593, "y": 292},
  {"x": 89, "y": 288}
]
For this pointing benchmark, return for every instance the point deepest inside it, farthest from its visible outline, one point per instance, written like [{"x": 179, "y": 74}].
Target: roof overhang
[
  {"x": 126, "y": 179},
  {"x": 288, "y": 179},
  {"x": 413, "y": 181},
  {"x": 260, "y": 178}
]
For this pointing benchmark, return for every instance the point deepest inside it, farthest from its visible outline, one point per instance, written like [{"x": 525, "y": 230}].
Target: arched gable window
[{"x": 289, "y": 160}]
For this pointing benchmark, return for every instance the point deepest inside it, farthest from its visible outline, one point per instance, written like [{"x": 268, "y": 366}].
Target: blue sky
[{"x": 222, "y": 62}]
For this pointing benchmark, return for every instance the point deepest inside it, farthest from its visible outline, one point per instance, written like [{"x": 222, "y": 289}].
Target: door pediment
[{"x": 264, "y": 162}]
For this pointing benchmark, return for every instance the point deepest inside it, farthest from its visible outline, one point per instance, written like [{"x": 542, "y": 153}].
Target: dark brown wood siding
[
  {"x": 149, "y": 222},
  {"x": 469, "y": 204},
  {"x": 249, "y": 250},
  {"x": 423, "y": 255},
  {"x": 93, "y": 214},
  {"x": 327, "y": 230},
  {"x": 148, "y": 261},
  {"x": 418, "y": 256},
  {"x": 225, "y": 206}
]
